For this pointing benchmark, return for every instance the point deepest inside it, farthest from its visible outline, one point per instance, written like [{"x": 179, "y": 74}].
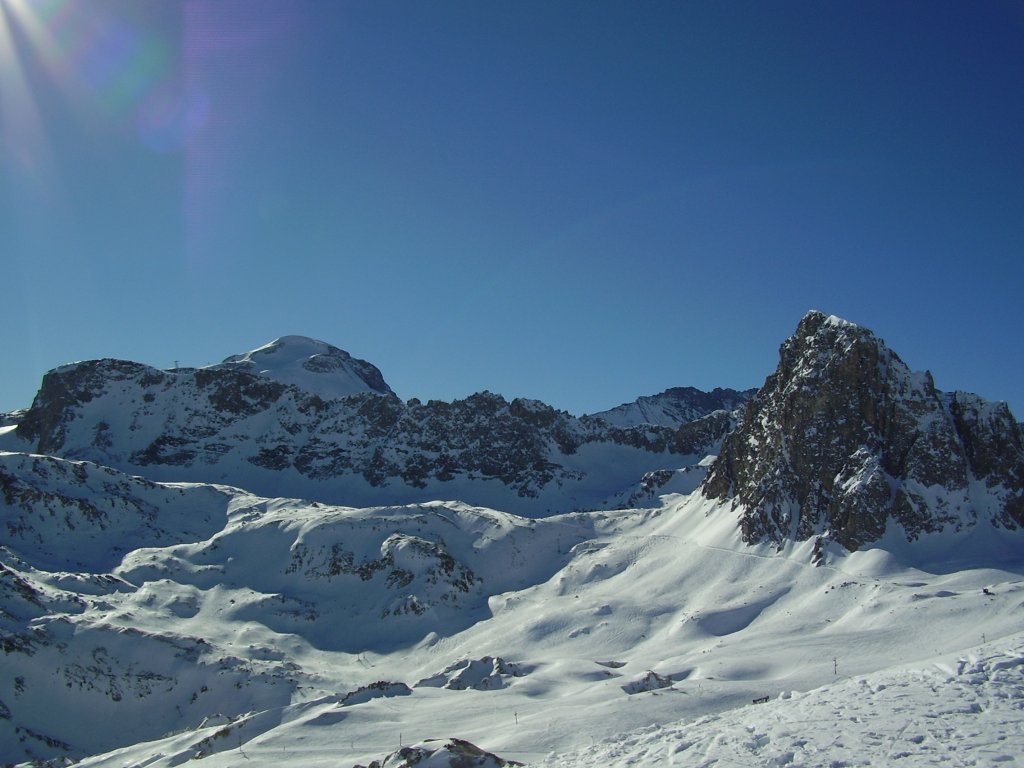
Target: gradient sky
[{"x": 581, "y": 202}]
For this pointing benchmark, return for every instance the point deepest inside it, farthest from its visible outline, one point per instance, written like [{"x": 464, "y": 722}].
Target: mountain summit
[
  {"x": 843, "y": 440},
  {"x": 311, "y": 365}
]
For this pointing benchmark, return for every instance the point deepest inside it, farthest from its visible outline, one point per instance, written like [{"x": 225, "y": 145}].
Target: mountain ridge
[{"x": 222, "y": 424}]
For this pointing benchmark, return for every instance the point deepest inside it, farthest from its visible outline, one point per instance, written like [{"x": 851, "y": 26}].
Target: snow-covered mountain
[
  {"x": 675, "y": 407},
  {"x": 148, "y": 618},
  {"x": 312, "y": 366},
  {"x": 267, "y": 427}
]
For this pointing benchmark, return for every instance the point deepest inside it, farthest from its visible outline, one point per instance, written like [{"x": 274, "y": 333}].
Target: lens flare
[
  {"x": 170, "y": 115},
  {"x": 106, "y": 68},
  {"x": 24, "y": 151}
]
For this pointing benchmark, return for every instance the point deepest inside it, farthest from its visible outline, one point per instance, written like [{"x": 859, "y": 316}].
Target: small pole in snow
[{"x": 835, "y": 666}]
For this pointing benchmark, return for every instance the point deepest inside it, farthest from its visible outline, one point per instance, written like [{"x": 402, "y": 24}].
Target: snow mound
[{"x": 76, "y": 515}]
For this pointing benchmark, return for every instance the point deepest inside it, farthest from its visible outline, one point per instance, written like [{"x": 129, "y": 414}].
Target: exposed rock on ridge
[
  {"x": 224, "y": 425},
  {"x": 843, "y": 438}
]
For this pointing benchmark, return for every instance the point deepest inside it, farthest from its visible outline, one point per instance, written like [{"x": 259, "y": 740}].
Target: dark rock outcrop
[
  {"x": 457, "y": 753},
  {"x": 843, "y": 439}
]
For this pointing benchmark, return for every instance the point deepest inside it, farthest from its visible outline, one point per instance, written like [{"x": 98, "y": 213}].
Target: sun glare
[
  {"x": 103, "y": 66},
  {"x": 24, "y": 147}
]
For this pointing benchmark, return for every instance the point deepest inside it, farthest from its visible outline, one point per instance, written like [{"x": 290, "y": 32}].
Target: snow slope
[
  {"x": 959, "y": 710},
  {"x": 302, "y": 634}
]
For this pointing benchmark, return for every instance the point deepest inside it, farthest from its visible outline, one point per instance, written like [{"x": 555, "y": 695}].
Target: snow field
[
  {"x": 252, "y": 641},
  {"x": 651, "y": 599},
  {"x": 965, "y": 711}
]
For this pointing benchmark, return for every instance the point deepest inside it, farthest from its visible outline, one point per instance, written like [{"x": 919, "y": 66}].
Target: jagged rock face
[
  {"x": 70, "y": 387},
  {"x": 224, "y": 425},
  {"x": 675, "y": 407},
  {"x": 992, "y": 438},
  {"x": 843, "y": 438}
]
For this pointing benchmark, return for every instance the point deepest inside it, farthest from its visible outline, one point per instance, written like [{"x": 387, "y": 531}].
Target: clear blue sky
[{"x": 581, "y": 202}]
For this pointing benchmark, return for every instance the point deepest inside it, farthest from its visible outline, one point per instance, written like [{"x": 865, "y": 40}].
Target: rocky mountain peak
[
  {"x": 314, "y": 366},
  {"x": 843, "y": 440}
]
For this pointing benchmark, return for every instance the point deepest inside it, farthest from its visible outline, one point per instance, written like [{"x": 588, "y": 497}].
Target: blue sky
[{"x": 582, "y": 202}]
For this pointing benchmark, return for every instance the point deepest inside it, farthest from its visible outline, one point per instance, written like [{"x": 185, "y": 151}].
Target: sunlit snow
[{"x": 611, "y": 638}]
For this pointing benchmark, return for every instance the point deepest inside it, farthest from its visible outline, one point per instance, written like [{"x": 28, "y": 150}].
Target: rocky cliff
[{"x": 844, "y": 442}]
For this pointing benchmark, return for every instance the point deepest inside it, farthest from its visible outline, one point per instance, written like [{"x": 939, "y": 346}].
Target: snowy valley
[{"x": 274, "y": 560}]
